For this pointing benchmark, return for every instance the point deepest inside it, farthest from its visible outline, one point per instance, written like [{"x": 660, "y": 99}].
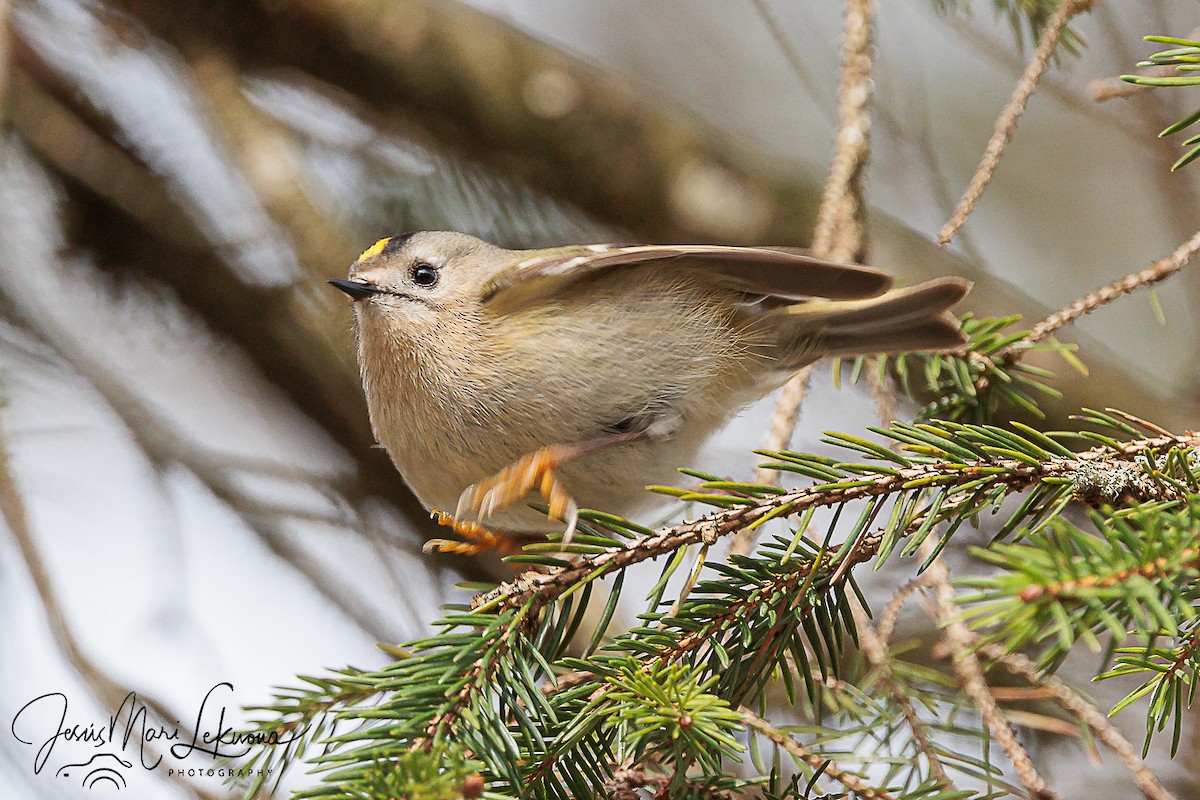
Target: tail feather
[
  {"x": 897, "y": 321},
  {"x": 892, "y": 309},
  {"x": 939, "y": 334}
]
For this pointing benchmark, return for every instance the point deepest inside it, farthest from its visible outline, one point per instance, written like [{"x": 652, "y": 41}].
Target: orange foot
[
  {"x": 478, "y": 538},
  {"x": 532, "y": 472}
]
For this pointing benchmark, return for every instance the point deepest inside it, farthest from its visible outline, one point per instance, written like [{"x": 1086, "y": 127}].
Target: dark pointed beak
[{"x": 356, "y": 289}]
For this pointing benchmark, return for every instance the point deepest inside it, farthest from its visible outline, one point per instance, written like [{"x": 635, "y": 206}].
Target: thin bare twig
[
  {"x": 989, "y": 47},
  {"x": 920, "y": 142},
  {"x": 1006, "y": 123},
  {"x": 779, "y": 433},
  {"x": 840, "y": 231},
  {"x": 817, "y": 762},
  {"x": 1020, "y": 665},
  {"x": 872, "y": 645},
  {"x": 1158, "y": 271},
  {"x": 959, "y": 639},
  {"x": 891, "y": 612}
]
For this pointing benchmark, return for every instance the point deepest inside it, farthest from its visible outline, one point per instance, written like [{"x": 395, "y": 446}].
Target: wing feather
[{"x": 772, "y": 272}]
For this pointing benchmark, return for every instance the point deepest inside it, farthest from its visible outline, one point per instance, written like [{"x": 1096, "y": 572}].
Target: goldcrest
[{"x": 587, "y": 372}]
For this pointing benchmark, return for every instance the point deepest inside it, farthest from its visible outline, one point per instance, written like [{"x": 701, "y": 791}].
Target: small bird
[{"x": 587, "y": 372}]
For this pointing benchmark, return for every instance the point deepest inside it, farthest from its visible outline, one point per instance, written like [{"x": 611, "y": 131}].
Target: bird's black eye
[{"x": 424, "y": 275}]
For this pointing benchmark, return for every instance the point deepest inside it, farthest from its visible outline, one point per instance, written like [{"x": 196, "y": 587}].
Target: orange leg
[{"x": 536, "y": 472}]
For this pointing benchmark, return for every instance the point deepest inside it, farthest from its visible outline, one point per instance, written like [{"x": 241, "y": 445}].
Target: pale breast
[{"x": 482, "y": 393}]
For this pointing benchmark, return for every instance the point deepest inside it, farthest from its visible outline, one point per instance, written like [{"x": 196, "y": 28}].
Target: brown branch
[
  {"x": 526, "y": 110},
  {"x": 5, "y": 62},
  {"x": 1020, "y": 665},
  {"x": 298, "y": 336},
  {"x": 824, "y": 765},
  {"x": 162, "y": 446},
  {"x": 1006, "y": 123},
  {"x": 267, "y": 156}
]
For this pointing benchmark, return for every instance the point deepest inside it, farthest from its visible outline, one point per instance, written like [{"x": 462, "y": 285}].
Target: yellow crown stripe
[{"x": 375, "y": 249}]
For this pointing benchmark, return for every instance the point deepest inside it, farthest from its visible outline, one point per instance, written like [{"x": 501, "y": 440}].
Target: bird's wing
[{"x": 772, "y": 272}]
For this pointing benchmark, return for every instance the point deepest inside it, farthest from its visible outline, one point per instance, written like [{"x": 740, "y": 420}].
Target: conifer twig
[
  {"x": 827, "y": 767},
  {"x": 891, "y": 612},
  {"x": 1020, "y": 665},
  {"x": 784, "y": 585},
  {"x": 551, "y": 582},
  {"x": 840, "y": 231},
  {"x": 1006, "y": 123}
]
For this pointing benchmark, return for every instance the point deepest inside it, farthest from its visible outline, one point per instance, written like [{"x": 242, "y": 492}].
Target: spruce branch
[
  {"x": 967, "y": 668},
  {"x": 640, "y": 700},
  {"x": 735, "y": 627},
  {"x": 953, "y": 457},
  {"x": 668, "y": 714},
  {"x": 1136, "y": 570},
  {"x": 874, "y": 647},
  {"x": 298, "y": 718},
  {"x": 1173, "y": 67},
  {"x": 1172, "y": 677}
]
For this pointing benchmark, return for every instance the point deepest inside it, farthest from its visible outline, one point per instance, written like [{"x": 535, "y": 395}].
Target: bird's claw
[{"x": 478, "y": 539}]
